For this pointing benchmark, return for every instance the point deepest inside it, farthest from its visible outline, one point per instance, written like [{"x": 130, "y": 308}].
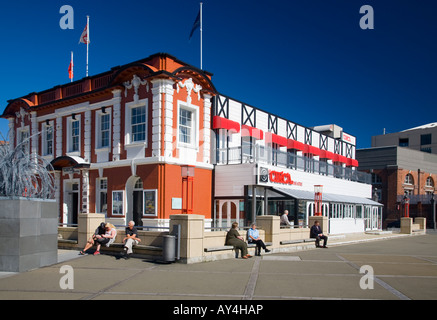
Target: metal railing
[
  {"x": 416, "y": 198},
  {"x": 266, "y": 155},
  {"x": 144, "y": 228}
]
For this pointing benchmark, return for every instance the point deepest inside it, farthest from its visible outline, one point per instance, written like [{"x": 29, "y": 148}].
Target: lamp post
[
  {"x": 433, "y": 209},
  {"x": 318, "y": 200},
  {"x": 187, "y": 173},
  {"x": 406, "y": 202}
]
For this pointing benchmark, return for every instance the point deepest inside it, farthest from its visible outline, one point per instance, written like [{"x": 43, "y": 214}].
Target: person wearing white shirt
[{"x": 284, "y": 219}]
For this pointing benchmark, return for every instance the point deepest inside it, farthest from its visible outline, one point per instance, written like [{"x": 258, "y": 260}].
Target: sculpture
[{"x": 23, "y": 174}]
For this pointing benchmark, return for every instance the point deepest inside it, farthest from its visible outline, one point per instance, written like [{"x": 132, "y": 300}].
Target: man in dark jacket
[{"x": 316, "y": 233}]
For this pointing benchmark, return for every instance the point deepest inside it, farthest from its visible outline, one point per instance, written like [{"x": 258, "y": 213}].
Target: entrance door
[
  {"x": 71, "y": 202},
  {"x": 75, "y": 205},
  {"x": 367, "y": 218},
  {"x": 138, "y": 208},
  {"x": 138, "y": 204}
]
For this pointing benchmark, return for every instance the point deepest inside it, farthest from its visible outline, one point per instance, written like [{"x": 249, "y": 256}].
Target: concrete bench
[
  {"x": 226, "y": 248},
  {"x": 284, "y": 242},
  {"x": 67, "y": 243},
  {"x": 291, "y": 241},
  {"x": 136, "y": 248},
  {"x": 309, "y": 240}
]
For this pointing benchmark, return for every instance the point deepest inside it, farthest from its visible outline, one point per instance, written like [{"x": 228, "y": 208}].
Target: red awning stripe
[
  {"x": 352, "y": 162},
  {"x": 324, "y": 154},
  {"x": 248, "y": 131},
  {"x": 274, "y": 138},
  {"x": 223, "y": 123},
  {"x": 295, "y": 145},
  {"x": 340, "y": 158},
  {"x": 312, "y": 150}
]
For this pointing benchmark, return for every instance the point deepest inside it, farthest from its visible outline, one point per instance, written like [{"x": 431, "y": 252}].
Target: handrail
[{"x": 285, "y": 159}]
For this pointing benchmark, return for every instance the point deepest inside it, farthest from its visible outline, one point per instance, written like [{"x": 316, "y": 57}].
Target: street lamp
[
  {"x": 432, "y": 200},
  {"x": 187, "y": 173},
  {"x": 318, "y": 200},
  {"x": 406, "y": 202}
]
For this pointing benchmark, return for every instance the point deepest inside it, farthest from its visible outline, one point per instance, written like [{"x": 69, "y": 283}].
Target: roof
[
  {"x": 425, "y": 126},
  {"x": 327, "y": 197}
]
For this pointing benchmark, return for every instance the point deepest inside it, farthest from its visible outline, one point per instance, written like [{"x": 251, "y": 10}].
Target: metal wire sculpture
[{"x": 23, "y": 174}]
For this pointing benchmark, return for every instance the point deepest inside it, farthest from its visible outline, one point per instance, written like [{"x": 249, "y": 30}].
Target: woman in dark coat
[{"x": 233, "y": 238}]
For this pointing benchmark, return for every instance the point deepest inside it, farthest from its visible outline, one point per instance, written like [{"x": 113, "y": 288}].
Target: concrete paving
[{"x": 405, "y": 267}]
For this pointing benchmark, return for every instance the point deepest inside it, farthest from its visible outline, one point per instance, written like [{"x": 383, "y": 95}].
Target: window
[
  {"x": 408, "y": 192},
  {"x": 359, "y": 212},
  {"x": 117, "y": 202},
  {"x": 376, "y": 179},
  {"x": 105, "y": 133},
  {"x": 23, "y": 137},
  {"x": 403, "y": 142},
  {"x": 409, "y": 179},
  {"x": 425, "y": 139},
  {"x": 73, "y": 131},
  {"x": 185, "y": 126},
  {"x": 102, "y": 195},
  {"x": 75, "y": 135},
  {"x": 48, "y": 140},
  {"x": 429, "y": 182},
  {"x": 138, "y": 124}
]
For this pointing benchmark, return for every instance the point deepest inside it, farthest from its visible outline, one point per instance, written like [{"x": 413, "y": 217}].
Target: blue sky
[{"x": 308, "y": 61}]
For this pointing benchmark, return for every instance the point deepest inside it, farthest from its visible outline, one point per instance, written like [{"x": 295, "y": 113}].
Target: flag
[
  {"x": 84, "y": 38},
  {"x": 196, "y": 25},
  {"x": 70, "y": 70}
]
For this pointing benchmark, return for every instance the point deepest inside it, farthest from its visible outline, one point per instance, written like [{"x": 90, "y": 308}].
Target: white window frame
[
  {"x": 45, "y": 141},
  {"x": 99, "y": 115},
  {"x": 128, "y": 123},
  {"x": 123, "y": 203},
  {"x": 156, "y": 203},
  {"x": 99, "y": 191},
  {"x": 20, "y": 139},
  {"x": 195, "y": 128},
  {"x": 70, "y": 121}
]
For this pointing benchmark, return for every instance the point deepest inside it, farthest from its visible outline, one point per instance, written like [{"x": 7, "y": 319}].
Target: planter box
[{"x": 28, "y": 234}]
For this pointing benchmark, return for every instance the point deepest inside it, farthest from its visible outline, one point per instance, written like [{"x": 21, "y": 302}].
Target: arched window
[
  {"x": 409, "y": 179},
  {"x": 429, "y": 182}
]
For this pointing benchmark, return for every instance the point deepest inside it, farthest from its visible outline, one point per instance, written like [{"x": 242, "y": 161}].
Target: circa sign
[{"x": 280, "y": 177}]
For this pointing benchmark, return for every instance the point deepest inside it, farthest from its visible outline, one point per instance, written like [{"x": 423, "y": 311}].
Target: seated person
[
  {"x": 316, "y": 233},
  {"x": 233, "y": 238},
  {"x": 107, "y": 238},
  {"x": 130, "y": 240},
  {"x": 253, "y": 237}
]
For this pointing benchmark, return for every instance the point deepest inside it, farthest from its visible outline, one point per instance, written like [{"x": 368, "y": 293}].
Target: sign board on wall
[
  {"x": 278, "y": 177},
  {"x": 176, "y": 203}
]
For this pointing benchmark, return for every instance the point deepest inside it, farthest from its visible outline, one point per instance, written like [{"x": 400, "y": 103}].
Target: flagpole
[
  {"x": 201, "y": 36},
  {"x": 72, "y": 66},
  {"x": 87, "y": 43}
]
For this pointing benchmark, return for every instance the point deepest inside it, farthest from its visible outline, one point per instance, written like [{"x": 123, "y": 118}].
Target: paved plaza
[{"x": 405, "y": 267}]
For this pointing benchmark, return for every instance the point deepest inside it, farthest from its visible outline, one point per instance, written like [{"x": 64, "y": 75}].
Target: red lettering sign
[{"x": 282, "y": 178}]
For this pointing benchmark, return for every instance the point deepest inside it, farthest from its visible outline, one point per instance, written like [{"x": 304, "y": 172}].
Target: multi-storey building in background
[
  {"x": 404, "y": 171},
  {"x": 422, "y": 138},
  {"x": 119, "y": 142}
]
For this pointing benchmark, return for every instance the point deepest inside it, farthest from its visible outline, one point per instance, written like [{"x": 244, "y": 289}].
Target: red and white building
[{"x": 119, "y": 141}]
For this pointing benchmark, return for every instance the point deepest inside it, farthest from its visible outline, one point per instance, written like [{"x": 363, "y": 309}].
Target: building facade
[
  {"x": 422, "y": 138},
  {"x": 117, "y": 140},
  {"x": 266, "y": 164},
  {"x": 120, "y": 142},
  {"x": 403, "y": 180}
]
